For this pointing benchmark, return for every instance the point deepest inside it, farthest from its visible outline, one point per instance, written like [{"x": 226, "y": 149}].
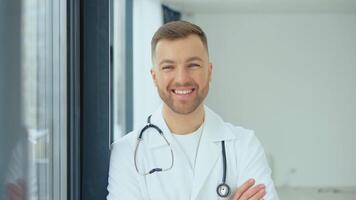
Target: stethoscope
[{"x": 222, "y": 189}]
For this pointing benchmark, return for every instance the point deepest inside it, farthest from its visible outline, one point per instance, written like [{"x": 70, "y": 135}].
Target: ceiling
[{"x": 233, "y": 6}]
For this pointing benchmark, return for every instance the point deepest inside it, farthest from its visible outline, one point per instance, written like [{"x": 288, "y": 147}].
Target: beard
[{"x": 184, "y": 107}]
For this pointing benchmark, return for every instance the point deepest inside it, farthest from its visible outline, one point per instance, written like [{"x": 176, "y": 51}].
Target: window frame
[{"x": 59, "y": 112}]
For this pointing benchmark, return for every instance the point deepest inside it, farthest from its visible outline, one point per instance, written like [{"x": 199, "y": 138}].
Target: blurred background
[{"x": 75, "y": 77}]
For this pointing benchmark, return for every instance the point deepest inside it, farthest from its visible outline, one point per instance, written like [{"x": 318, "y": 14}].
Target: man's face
[{"x": 182, "y": 73}]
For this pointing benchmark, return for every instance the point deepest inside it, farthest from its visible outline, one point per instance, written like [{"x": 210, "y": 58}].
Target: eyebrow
[
  {"x": 194, "y": 58},
  {"x": 166, "y": 61}
]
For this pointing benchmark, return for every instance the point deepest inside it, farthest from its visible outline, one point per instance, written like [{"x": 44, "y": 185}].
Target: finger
[
  {"x": 13, "y": 189},
  {"x": 243, "y": 188},
  {"x": 14, "y": 192},
  {"x": 253, "y": 191},
  {"x": 259, "y": 195}
]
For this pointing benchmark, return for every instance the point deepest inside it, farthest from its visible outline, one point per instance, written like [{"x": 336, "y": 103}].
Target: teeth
[{"x": 183, "y": 91}]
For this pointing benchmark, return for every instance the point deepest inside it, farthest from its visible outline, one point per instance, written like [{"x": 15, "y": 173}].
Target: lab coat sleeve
[
  {"x": 255, "y": 165},
  {"x": 123, "y": 178}
]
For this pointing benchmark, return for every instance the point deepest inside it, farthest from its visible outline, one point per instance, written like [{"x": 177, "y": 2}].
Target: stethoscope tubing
[
  {"x": 224, "y": 161},
  {"x": 221, "y": 187}
]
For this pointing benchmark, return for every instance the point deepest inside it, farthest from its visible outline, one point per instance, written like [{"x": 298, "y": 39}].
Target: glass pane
[
  {"x": 29, "y": 92},
  {"x": 118, "y": 30},
  {"x": 37, "y": 102}
]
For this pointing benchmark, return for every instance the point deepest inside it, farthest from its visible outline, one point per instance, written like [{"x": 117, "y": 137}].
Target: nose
[{"x": 182, "y": 76}]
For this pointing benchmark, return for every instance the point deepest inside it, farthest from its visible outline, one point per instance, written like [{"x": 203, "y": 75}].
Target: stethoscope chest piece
[{"x": 223, "y": 190}]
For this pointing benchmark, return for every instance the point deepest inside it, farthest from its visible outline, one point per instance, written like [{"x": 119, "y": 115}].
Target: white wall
[
  {"x": 291, "y": 78},
  {"x": 147, "y": 18}
]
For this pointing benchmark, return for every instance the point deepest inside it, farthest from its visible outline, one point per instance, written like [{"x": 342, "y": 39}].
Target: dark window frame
[{"x": 90, "y": 94}]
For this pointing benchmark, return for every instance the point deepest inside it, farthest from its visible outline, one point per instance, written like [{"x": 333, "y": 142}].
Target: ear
[
  {"x": 210, "y": 71},
  {"x": 154, "y": 75}
]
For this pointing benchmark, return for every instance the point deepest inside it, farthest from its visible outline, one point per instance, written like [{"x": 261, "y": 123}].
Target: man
[{"x": 198, "y": 155}]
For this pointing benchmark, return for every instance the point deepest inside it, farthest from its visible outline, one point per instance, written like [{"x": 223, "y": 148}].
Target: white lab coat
[{"x": 244, "y": 153}]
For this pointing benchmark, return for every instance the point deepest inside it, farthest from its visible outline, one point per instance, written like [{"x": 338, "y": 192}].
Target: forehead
[{"x": 180, "y": 49}]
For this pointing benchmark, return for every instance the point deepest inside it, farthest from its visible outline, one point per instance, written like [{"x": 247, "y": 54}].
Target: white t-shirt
[{"x": 189, "y": 144}]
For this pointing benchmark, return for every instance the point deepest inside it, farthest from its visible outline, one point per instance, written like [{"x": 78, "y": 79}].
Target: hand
[
  {"x": 247, "y": 192},
  {"x": 16, "y": 191}
]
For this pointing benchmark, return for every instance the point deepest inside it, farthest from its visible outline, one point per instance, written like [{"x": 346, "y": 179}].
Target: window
[
  {"x": 35, "y": 164},
  {"x": 119, "y": 70}
]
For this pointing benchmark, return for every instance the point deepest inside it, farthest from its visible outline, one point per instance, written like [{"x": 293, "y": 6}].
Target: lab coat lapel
[
  {"x": 209, "y": 150},
  {"x": 207, "y": 157}
]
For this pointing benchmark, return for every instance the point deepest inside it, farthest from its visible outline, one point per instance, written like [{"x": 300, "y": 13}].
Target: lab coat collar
[{"x": 215, "y": 129}]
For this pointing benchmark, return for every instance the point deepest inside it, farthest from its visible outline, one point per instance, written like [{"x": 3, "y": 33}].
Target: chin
[{"x": 184, "y": 109}]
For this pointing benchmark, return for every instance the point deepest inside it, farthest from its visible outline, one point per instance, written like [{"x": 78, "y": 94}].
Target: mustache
[{"x": 187, "y": 84}]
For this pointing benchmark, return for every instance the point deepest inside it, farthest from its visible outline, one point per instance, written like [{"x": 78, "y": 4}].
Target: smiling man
[{"x": 185, "y": 150}]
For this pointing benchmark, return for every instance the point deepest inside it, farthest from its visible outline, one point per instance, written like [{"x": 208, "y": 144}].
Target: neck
[{"x": 183, "y": 123}]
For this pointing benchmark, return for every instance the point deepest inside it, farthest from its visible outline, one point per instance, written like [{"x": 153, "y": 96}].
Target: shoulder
[
  {"x": 239, "y": 131},
  {"x": 122, "y": 152},
  {"x": 127, "y": 139},
  {"x": 249, "y": 150},
  {"x": 243, "y": 138},
  {"x": 243, "y": 135},
  {"x": 247, "y": 136},
  {"x": 124, "y": 145}
]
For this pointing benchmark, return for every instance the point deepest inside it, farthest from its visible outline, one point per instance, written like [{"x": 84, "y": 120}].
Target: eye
[
  {"x": 167, "y": 67},
  {"x": 194, "y": 65}
]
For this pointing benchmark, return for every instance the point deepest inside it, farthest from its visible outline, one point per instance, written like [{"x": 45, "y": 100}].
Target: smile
[{"x": 183, "y": 92}]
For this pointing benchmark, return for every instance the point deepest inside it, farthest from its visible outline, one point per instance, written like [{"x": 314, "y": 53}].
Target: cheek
[
  {"x": 202, "y": 78},
  {"x": 162, "y": 81}
]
